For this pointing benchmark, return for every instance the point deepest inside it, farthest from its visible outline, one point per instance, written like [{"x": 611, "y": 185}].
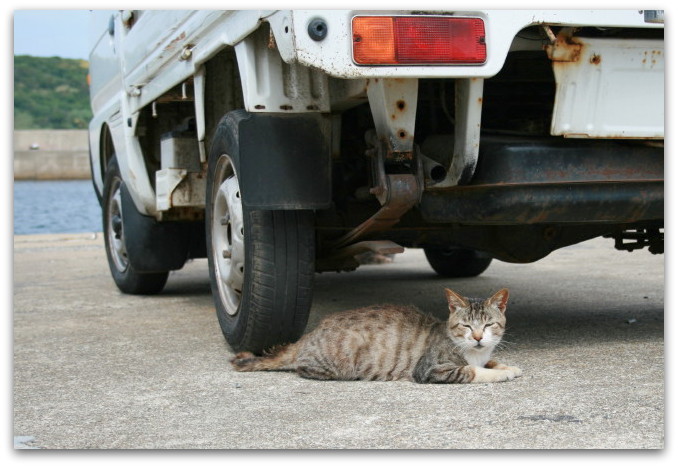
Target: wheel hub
[
  {"x": 228, "y": 236},
  {"x": 116, "y": 239}
]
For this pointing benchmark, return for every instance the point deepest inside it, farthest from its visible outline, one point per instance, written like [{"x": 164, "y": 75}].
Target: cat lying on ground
[{"x": 392, "y": 342}]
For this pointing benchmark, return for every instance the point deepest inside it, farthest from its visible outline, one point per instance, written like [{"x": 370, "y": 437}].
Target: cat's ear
[
  {"x": 455, "y": 301},
  {"x": 499, "y": 300}
]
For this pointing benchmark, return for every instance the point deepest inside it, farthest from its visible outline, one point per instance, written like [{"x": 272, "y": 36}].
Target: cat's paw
[
  {"x": 514, "y": 371},
  {"x": 243, "y": 360},
  {"x": 242, "y": 356},
  {"x": 495, "y": 375}
]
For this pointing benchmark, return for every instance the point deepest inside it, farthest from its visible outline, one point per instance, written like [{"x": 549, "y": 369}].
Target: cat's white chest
[{"x": 478, "y": 357}]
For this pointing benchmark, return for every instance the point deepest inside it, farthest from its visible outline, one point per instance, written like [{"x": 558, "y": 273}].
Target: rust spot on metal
[
  {"x": 399, "y": 157},
  {"x": 172, "y": 45},
  {"x": 272, "y": 45},
  {"x": 480, "y": 100},
  {"x": 595, "y": 59},
  {"x": 401, "y": 105},
  {"x": 565, "y": 49},
  {"x": 403, "y": 193},
  {"x": 286, "y": 107}
]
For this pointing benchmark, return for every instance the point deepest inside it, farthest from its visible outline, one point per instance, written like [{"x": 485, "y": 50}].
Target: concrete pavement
[{"x": 97, "y": 369}]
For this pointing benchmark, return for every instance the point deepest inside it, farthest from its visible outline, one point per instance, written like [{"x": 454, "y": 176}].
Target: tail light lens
[{"x": 418, "y": 40}]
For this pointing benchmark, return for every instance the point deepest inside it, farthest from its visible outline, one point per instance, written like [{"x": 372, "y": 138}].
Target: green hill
[{"x": 50, "y": 93}]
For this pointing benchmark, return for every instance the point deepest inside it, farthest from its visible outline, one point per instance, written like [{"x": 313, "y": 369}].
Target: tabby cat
[{"x": 398, "y": 343}]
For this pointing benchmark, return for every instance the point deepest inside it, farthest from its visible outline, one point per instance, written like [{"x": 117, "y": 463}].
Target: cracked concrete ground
[{"x": 97, "y": 369}]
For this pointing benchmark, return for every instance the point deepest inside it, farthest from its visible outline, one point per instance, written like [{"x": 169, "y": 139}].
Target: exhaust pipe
[{"x": 432, "y": 170}]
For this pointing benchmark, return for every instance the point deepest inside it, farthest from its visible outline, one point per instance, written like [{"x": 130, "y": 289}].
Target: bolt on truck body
[{"x": 279, "y": 144}]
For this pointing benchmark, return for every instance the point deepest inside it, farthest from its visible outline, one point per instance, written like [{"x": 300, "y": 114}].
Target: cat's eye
[
  {"x": 467, "y": 326},
  {"x": 489, "y": 325}
]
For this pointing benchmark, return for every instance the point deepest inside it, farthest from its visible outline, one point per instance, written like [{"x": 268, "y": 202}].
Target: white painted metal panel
[
  {"x": 614, "y": 89},
  {"x": 105, "y": 74}
]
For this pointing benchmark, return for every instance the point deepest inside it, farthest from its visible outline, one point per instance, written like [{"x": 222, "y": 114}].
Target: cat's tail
[{"x": 278, "y": 358}]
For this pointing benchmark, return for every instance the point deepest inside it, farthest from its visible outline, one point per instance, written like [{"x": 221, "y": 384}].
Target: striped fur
[{"x": 391, "y": 342}]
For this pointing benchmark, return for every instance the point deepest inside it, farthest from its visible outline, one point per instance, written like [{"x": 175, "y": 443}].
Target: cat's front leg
[
  {"x": 488, "y": 375},
  {"x": 444, "y": 373},
  {"x": 492, "y": 364},
  {"x": 449, "y": 373}
]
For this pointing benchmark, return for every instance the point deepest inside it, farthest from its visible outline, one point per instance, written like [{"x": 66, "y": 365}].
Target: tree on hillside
[{"x": 50, "y": 93}]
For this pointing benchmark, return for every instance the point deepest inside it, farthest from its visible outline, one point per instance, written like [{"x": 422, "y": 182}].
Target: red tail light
[{"x": 418, "y": 40}]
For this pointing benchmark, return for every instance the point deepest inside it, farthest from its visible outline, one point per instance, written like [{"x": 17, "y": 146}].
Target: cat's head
[{"x": 476, "y": 324}]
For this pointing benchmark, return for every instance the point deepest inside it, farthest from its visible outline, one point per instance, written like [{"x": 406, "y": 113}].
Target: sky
[{"x": 50, "y": 33}]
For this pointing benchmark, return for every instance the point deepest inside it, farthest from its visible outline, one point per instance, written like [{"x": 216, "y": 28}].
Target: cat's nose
[{"x": 478, "y": 338}]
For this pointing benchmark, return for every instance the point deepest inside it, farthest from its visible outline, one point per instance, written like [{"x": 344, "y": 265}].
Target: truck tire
[
  {"x": 457, "y": 262},
  {"x": 261, "y": 262},
  {"x": 125, "y": 276}
]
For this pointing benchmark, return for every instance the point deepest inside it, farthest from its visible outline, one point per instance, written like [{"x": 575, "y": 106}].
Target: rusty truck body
[{"x": 283, "y": 143}]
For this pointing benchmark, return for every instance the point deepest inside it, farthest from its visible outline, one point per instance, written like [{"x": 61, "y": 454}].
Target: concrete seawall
[{"x": 51, "y": 155}]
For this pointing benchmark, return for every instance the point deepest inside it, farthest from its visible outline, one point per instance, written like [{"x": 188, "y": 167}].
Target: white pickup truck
[{"x": 283, "y": 143}]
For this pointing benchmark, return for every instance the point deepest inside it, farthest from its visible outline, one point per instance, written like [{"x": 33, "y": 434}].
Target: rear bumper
[{"x": 555, "y": 181}]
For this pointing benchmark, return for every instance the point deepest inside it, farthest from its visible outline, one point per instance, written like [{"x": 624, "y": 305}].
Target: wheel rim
[
  {"x": 116, "y": 236},
  {"x": 228, "y": 239}
]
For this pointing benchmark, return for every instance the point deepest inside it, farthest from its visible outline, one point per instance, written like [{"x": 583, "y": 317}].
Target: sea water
[{"x": 64, "y": 206}]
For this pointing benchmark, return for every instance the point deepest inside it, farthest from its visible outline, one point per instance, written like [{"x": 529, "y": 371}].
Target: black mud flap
[
  {"x": 153, "y": 246},
  {"x": 283, "y": 161}
]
